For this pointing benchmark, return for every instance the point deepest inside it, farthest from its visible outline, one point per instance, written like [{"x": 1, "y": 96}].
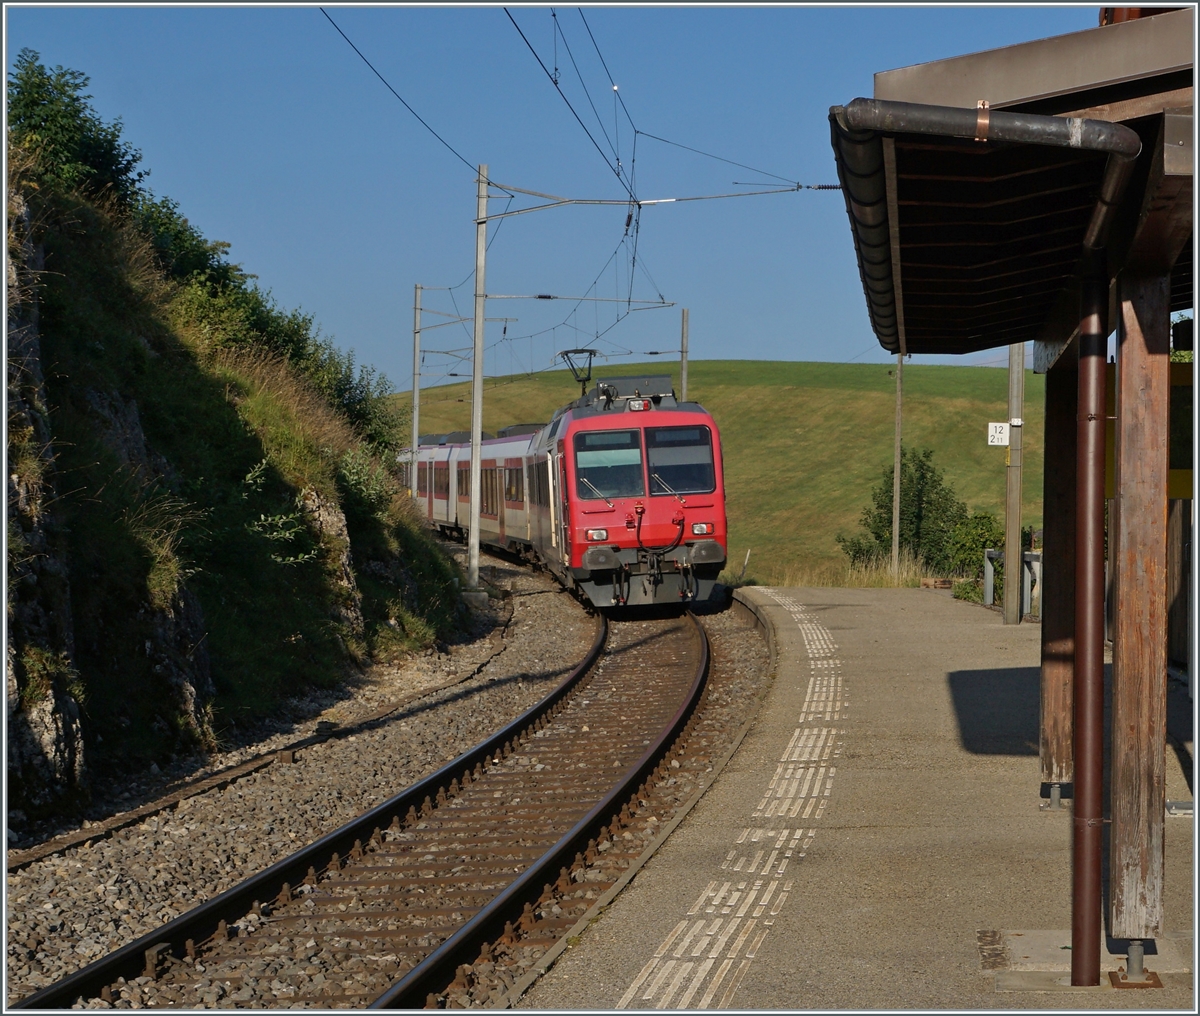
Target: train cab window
[
  {"x": 608, "y": 463},
  {"x": 680, "y": 460}
]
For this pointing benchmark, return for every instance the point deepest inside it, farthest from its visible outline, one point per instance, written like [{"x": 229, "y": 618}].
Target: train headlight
[
  {"x": 638, "y": 405},
  {"x": 702, "y": 528},
  {"x": 598, "y": 535}
]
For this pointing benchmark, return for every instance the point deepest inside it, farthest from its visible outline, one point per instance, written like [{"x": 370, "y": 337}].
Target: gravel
[
  {"x": 738, "y": 678},
  {"x": 71, "y": 908}
]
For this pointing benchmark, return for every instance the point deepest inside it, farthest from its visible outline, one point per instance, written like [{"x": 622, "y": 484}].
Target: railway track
[{"x": 455, "y": 887}]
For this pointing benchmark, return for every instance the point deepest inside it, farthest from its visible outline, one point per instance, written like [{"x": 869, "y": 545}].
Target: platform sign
[{"x": 998, "y": 434}]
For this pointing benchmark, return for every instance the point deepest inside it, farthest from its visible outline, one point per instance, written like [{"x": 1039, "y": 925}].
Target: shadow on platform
[{"x": 997, "y": 710}]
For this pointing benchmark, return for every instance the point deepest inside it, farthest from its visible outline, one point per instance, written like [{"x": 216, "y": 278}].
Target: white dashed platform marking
[{"x": 701, "y": 963}]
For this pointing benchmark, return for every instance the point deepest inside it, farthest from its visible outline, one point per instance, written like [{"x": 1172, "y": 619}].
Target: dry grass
[
  {"x": 157, "y": 521},
  {"x": 301, "y": 433},
  {"x": 877, "y": 574}
]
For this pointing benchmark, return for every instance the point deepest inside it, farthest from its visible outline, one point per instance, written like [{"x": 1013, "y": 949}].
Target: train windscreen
[
  {"x": 608, "y": 463},
  {"x": 681, "y": 460}
]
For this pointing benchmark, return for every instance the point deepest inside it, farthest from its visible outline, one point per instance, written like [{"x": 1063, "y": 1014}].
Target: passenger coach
[{"x": 621, "y": 495}]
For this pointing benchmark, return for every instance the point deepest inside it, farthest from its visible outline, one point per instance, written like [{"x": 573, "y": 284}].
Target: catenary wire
[
  {"x": 588, "y": 95},
  {"x": 616, "y": 91},
  {"x": 615, "y": 171},
  {"x": 709, "y": 155},
  {"x": 449, "y": 147}
]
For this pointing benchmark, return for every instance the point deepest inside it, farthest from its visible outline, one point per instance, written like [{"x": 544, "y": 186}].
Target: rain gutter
[{"x": 862, "y": 143}]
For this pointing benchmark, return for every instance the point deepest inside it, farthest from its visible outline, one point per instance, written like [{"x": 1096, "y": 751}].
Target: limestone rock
[{"x": 327, "y": 519}]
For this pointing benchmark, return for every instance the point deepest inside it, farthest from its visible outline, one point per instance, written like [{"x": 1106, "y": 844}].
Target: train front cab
[{"x": 643, "y": 506}]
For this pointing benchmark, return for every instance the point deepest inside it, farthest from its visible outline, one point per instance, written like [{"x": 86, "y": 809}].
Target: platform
[{"x": 878, "y": 841}]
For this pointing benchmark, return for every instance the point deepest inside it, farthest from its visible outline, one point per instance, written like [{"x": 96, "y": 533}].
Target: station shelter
[{"x": 1042, "y": 193}]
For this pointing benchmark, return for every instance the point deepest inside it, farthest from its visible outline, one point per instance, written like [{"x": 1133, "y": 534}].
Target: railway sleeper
[{"x": 594, "y": 869}]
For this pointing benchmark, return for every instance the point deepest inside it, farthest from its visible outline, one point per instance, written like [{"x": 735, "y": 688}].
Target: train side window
[
  {"x": 608, "y": 463},
  {"x": 422, "y": 479},
  {"x": 514, "y": 485},
  {"x": 680, "y": 460},
  {"x": 488, "y": 498}
]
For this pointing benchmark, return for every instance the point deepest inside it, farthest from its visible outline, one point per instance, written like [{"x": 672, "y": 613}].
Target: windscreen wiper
[
  {"x": 596, "y": 490},
  {"x": 665, "y": 486}
]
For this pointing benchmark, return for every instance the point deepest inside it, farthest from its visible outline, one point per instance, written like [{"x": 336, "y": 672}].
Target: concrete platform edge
[{"x": 548, "y": 959}]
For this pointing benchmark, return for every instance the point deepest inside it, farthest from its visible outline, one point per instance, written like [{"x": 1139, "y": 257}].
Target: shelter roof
[{"x": 966, "y": 245}]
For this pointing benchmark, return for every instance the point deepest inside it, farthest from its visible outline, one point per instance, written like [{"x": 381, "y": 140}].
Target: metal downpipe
[{"x": 1087, "y": 827}]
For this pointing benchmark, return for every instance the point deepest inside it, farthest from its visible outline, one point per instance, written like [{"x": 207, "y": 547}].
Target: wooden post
[
  {"x": 1179, "y": 542},
  {"x": 1058, "y": 567},
  {"x": 1139, "y": 537}
]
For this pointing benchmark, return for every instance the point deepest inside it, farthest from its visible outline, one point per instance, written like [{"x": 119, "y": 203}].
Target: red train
[{"x": 621, "y": 495}]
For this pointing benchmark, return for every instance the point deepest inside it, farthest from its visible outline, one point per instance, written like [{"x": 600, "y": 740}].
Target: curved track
[{"x": 386, "y": 909}]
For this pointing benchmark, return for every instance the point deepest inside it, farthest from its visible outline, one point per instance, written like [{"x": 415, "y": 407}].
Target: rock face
[
  {"x": 120, "y": 428},
  {"x": 46, "y": 748},
  {"x": 45, "y": 742},
  {"x": 180, "y": 654},
  {"x": 177, "y": 644},
  {"x": 330, "y": 523}
]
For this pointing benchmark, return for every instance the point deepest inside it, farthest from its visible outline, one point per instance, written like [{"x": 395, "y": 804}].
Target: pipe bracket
[{"x": 983, "y": 118}]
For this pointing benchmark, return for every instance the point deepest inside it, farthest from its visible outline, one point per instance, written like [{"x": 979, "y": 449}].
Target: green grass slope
[{"x": 805, "y": 442}]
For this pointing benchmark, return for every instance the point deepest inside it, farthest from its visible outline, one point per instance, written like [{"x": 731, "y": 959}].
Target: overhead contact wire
[
  {"x": 604, "y": 64},
  {"x": 588, "y": 96},
  {"x": 450, "y": 148},
  {"x": 615, "y": 171}
]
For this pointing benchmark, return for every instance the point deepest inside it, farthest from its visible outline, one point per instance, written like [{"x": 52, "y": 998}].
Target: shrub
[
  {"x": 968, "y": 589},
  {"x": 49, "y": 113},
  {"x": 361, "y": 476},
  {"x": 179, "y": 247},
  {"x": 929, "y": 515},
  {"x": 971, "y": 537}
]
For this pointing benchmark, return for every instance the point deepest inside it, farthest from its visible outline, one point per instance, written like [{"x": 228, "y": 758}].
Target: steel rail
[
  {"x": 203, "y": 922},
  {"x": 438, "y": 968}
]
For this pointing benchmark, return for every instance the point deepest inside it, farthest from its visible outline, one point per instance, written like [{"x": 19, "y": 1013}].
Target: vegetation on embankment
[
  {"x": 204, "y": 514},
  {"x": 804, "y": 443}
]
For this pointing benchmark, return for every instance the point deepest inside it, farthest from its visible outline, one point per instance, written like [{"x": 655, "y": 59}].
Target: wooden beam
[
  {"x": 1139, "y": 539},
  {"x": 1058, "y": 566},
  {"x": 1164, "y": 221},
  {"x": 1060, "y": 328},
  {"x": 1130, "y": 109}
]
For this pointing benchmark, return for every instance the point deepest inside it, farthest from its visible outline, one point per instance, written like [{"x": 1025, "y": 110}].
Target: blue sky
[{"x": 273, "y": 135}]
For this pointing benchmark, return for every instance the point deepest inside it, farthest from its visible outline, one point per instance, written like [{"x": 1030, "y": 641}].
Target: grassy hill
[{"x": 805, "y": 442}]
